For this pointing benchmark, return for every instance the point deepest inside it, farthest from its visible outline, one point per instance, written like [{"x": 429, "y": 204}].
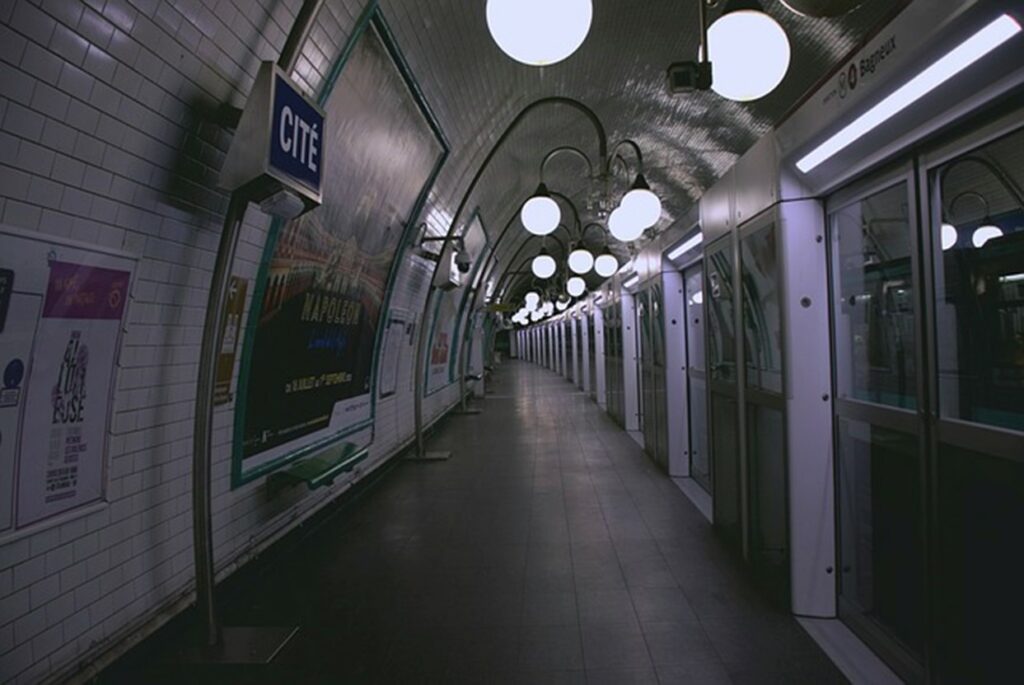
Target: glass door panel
[
  {"x": 976, "y": 225},
  {"x": 762, "y": 327},
  {"x": 724, "y": 405},
  {"x": 879, "y": 443},
  {"x": 873, "y": 299},
  {"x": 978, "y": 233},
  {"x": 700, "y": 466},
  {"x": 881, "y": 547}
]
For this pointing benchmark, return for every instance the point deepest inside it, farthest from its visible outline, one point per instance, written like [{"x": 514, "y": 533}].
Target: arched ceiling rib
[{"x": 688, "y": 141}]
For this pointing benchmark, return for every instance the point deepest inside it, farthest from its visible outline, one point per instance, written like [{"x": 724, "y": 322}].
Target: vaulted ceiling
[{"x": 688, "y": 141}]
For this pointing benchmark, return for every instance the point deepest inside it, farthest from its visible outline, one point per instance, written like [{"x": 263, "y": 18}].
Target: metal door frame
[
  {"x": 765, "y": 221},
  {"x": 898, "y": 419},
  {"x": 696, "y": 265}
]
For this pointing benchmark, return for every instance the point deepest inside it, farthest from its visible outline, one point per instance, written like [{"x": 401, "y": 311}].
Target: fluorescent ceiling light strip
[
  {"x": 1012, "y": 278},
  {"x": 967, "y": 53},
  {"x": 631, "y": 282},
  {"x": 687, "y": 246}
]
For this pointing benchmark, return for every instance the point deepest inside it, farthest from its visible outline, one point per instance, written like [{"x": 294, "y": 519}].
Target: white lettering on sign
[{"x": 299, "y": 139}]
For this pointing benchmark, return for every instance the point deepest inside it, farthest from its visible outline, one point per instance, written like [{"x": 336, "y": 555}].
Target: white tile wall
[{"x": 97, "y": 101}]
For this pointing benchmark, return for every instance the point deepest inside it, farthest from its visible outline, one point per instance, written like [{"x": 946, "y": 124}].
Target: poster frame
[
  {"x": 16, "y": 531},
  {"x": 467, "y": 289},
  {"x": 371, "y": 18}
]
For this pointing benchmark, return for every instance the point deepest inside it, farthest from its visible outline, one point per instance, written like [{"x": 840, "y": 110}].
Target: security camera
[
  {"x": 686, "y": 77},
  {"x": 463, "y": 262}
]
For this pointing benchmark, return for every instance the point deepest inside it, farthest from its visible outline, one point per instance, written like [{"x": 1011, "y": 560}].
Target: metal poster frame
[{"x": 372, "y": 18}]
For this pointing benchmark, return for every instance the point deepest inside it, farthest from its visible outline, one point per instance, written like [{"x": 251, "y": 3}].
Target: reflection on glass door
[
  {"x": 721, "y": 359},
  {"x": 700, "y": 466},
  {"x": 976, "y": 227},
  {"x": 879, "y": 440},
  {"x": 765, "y": 410}
]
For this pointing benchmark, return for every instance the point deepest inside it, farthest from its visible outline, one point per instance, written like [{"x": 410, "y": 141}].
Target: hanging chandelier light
[
  {"x": 749, "y": 52},
  {"x": 623, "y": 226},
  {"x": 576, "y": 286},
  {"x": 641, "y": 204},
  {"x": 540, "y": 214},
  {"x": 606, "y": 264},
  {"x": 539, "y": 32},
  {"x": 581, "y": 260},
  {"x": 949, "y": 236},
  {"x": 543, "y": 265},
  {"x": 986, "y": 232}
]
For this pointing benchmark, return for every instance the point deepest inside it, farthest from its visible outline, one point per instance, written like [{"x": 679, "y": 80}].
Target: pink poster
[{"x": 68, "y": 405}]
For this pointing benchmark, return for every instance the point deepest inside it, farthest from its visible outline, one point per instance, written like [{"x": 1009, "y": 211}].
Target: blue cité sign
[{"x": 296, "y": 136}]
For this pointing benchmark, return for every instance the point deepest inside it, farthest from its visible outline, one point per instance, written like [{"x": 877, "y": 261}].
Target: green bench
[{"x": 320, "y": 470}]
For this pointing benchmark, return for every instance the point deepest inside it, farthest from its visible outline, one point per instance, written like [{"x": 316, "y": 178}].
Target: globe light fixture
[
  {"x": 623, "y": 226},
  {"x": 539, "y": 32},
  {"x": 737, "y": 71},
  {"x": 543, "y": 265},
  {"x": 642, "y": 204},
  {"x": 561, "y": 305},
  {"x": 540, "y": 214},
  {"x": 532, "y": 300},
  {"x": 535, "y": 315},
  {"x": 576, "y": 286},
  {"x": 606, "y": 265},
  {"x": 949, "y": 236},
  {"x": 985, "y": 233},
  {"x": 581, "y": 260}
]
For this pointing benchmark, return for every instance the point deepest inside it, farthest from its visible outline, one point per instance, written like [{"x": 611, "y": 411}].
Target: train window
[
  {"x": 875, "y": 340},
  {"x": 978, "y": 230}
]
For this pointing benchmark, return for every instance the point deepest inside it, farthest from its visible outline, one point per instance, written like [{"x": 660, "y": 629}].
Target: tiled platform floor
[{"x": 549, "y": 549}]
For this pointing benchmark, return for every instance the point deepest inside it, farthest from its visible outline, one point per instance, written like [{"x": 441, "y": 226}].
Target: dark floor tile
[
  {"x": 550, "y": 609},
  {"x": 678, "y": 644},
  {"x": 710, "y": 673},
  {"x": 550, "y": 648},
  {"x": 618, "y": 676},
  {"x": 614, "y": 646},
  {"x": 667, "y": 604},
  {"x": 606, "y": 607},
  {"x": 549, "y": 543}
]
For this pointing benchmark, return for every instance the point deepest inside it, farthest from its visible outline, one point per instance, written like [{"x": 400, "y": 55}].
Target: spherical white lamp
[
  {"x": 532, "y": 300},
  {"x": 606, "y": 265},
  {"x": 642, "y": 204},
  {"x": 576, "y": 286},
  {"x": 562, "y": 305},
  {"x": 540, "y": 215},
  {"x": 623, "y": 226},
  {"x": 539, "y": 32},
  {"x": 535, "y": 315},
  {"x": 949, "y": 236},
  {"x": 749, "y": 54},
  {"x": 581, "y": 260},
  {"x": 985, "y": 233},
  {"x": 543, "y": 265}
]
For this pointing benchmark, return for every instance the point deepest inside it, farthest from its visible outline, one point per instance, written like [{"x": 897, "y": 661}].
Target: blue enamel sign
[{"x": 296, "y": 137}]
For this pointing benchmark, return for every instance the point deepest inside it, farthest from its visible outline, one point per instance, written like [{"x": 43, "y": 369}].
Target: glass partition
[
  {"x": 762, "y": 327},
  {"x": 978, "y": 237},
  {"x": 873, "y": 299},
  {"x": 881, "y": 548}
]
